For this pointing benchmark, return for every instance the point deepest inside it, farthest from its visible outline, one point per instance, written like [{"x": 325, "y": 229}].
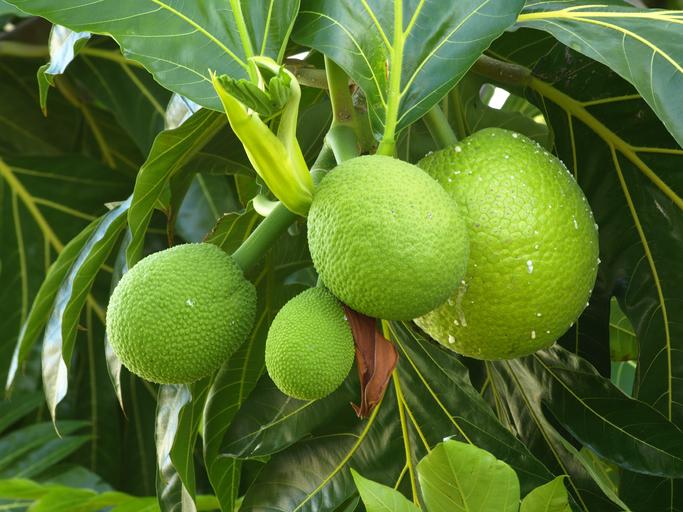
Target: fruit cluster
[{"x": 489, "y": 246}]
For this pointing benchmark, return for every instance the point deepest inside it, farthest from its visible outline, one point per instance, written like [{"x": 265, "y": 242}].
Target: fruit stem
[
  {"x": 265, "y": 234},
  {"x": 439, "y": 128},
  {"x": 350, "y": 131},
  {"x": 278, "y": 220}
]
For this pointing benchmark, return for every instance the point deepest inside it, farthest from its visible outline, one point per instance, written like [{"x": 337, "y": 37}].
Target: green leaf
[
  {"x": 270, "y": 421},
  {"x": 6, "y": 8},
  {"x": 460, "y": 476},
  {"x": 137, "y": 102},
  {"x": 16, "y": 407},
  {"x": 60, "y": 330},
  {"x": 209, "y": 198},
  {"x": 603, "y": 474},
  {"x": 550, "y": 497},
  {"x": 625, "y": 431},
  {"x": 40, "y": 211},
  {"x": 440, "y": 401},
  {"x": 439, "y": 41},
  {"x": 179, "y": 409},
  {"x": 314, "y": 474},
  {"x": 642, "y": 45},
  {"x": 19, "y": 444},
  {"x": 379, "y": 498},
  {"x": 179, "y": 43},
  {"x": 26, "y": 131},
  {"x": 64, "y": 46},
  {"x": 171, "y": 151}
]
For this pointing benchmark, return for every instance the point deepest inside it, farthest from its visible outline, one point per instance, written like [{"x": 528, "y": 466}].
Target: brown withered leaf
[{"x": 376, "y": 358}]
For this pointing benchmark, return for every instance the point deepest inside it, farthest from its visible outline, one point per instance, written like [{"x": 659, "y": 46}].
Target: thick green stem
[
  {"x": 343, "y": 135},
  {"x": 340, "y": 96},
  {"x": 265, "y": 235},
  {"x": 272, "y": 227},
  {"x": 438, "y": 127},
  {"x": 343, "y": 142}
]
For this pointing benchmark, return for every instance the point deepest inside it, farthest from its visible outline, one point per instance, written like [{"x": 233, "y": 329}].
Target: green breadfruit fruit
[
  {"x": 310, "y": 349},
  {"x": 533, "y": 247},
  {"x": 386, "y": 238},
  {"x": 178, "y": 314}
]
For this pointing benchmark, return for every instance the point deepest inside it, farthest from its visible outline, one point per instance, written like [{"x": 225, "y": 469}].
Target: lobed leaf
[
  {"x": 439, "y": 40},
  {"x": 179, "y": 42}
]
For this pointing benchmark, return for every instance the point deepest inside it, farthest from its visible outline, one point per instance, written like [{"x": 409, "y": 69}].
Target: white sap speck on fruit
[
  {"x": 533, "y": 335},
  {"x": 451, "y": 339},
  {"x": 547, "y": 332},
  {"x": 539, "y": 315},
  {"x": 189, "y": 302},
  {"x": 536, "y": 246},
  {"x": 515, "y": 135},
  {"x": 507, "y": 157},
  {"x": 458, "y": 149},
  {"x": 529, "y": 266}
]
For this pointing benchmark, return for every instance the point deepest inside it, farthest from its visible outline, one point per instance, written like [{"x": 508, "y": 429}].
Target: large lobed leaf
[
  {"x": 644, "y": 46},
  {"x": 438, "y": 41},
  {"x": 179, "y": 42}
]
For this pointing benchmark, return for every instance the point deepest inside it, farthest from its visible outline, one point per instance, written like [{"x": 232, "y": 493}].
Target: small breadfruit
[
  {"x": 533, "y": 247},
  {"x": 178, "y": 314},
  {"x": 386, "y": 238},
  {"x": 310, "y": 349}
]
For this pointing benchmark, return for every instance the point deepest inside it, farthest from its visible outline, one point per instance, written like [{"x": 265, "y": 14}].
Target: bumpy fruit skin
[
  {"x": 386, "y": 238},
  {"x": 178, "y": 314},
  {"x": 309, "y": 349},
  {"x": 533, "y": 247}
]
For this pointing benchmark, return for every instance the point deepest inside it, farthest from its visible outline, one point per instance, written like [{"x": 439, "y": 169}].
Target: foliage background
[{"x": 133, "y": 152}]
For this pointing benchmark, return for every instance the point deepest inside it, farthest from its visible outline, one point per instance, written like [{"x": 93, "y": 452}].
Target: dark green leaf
[
  {"x": 625, "y": 431},
  {"x": 440, "y": 401},
  {"x": 644, "y": 46},
  {"x": 129, "y": 92},
  {"x": 16, "y": 407},
  {"x": 209, "y": 198},
  {"x": 313, "y": 475},
  {"x": 43, "y": 202},
  {"x": 270, "y": 421}
]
